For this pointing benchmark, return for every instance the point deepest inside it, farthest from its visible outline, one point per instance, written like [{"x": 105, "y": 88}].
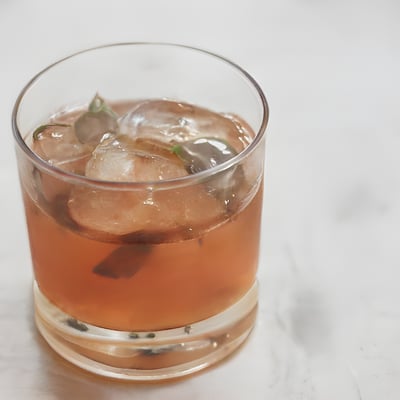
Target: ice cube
[
  {"x": 204, "y": 153},
  {"x": 57, "y": 144},
  {"x": 120, "y": 159},
  {"x": 158, "y": 119},
  {"x": 176, "y": 122},
  {"x": 91, "y": 126},
  {"x": 145, "y": 216}
]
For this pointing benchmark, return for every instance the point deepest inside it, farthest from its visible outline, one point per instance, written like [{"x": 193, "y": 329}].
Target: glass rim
[{"x": 167, "y": 183}]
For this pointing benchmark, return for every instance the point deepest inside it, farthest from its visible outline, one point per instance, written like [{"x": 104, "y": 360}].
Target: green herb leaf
[
  {"x": 99, "y": 105},
  {"x": 177, "y": 149}
]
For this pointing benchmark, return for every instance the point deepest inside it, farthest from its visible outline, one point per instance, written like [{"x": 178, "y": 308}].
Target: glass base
[{"x": 146, "y": 356}]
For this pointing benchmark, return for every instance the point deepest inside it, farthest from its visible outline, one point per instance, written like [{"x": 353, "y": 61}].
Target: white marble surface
[{"x": 329, "y": 320}]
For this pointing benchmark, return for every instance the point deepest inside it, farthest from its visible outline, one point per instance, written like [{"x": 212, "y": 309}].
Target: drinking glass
[{"x": 154, "y": 302}]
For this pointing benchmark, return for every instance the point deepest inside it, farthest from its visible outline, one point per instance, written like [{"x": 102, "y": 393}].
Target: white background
[{"x": 329, "y": 320}]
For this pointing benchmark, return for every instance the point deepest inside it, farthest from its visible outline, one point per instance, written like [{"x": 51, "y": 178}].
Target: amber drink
[{"x": 141, "y": 168}]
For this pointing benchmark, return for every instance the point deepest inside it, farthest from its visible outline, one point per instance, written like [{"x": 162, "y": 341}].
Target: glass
[{"x": 189, "y": 296}]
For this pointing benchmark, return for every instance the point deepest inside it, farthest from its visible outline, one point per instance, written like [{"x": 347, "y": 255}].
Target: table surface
[{"x": 329, "y": 319}]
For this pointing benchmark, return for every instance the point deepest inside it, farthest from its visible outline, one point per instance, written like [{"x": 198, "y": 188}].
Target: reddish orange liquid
[{"x": 178, "y": 284}]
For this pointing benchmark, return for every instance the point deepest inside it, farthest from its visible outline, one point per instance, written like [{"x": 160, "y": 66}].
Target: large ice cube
[
  {"x": 120, "y": 159},
  {"x": 145, "y": 216},
  {"x": 177, "y": 122},
  {"x": 57, "y": 144},
  {"x": 142, "y": 215}
]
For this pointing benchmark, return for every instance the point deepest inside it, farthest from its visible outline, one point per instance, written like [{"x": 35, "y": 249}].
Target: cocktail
[{"x": 141, "y": 168}]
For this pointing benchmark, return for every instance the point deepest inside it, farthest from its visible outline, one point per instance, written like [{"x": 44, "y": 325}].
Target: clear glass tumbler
[{"x": 164, "y": 299}]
